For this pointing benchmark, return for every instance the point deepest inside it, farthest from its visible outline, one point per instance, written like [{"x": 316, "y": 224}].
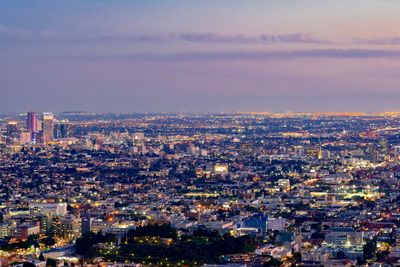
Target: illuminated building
[
  {"x": 86, "y": 223},
  {"x": 62, "y": 129},
  {"x": 48, "y": 127},
  {"x": 25, "y": 138},
  {"x": 49, "y": 208},
  {"x": 12, "y": 129},
  {"x": 221, "y": 169},
  {"x": 284, "y": 183},
  {"x": 138, "y": 137},
  {"x": 32, "y": 122},
  {"x": 324, "y": 154},
  {"x": 45, "y": 223},
  {"x": 26, "y": 229},
  {"x": 5, "y": 230},
  {"x": 67, "y": 228},
  {"x": 199, "y": 172}
]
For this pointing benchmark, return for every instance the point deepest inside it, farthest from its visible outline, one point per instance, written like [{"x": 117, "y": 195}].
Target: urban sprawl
[{"x": 192, "y": 189}]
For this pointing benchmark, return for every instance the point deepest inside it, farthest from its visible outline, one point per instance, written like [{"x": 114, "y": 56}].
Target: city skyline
[
  {"x": 174, "y": 56},
  {"x": 254, "y": 189},
  {"x": 183, "y": 133}
]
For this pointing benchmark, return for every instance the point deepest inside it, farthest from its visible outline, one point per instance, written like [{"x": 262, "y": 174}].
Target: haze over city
[{"x": 227, "y": 55}]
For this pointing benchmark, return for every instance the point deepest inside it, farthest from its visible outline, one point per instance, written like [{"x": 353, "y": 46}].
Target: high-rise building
[
  {"x": 12, "y": 129},
  {"x": 48, "y": 127},
  {"x": 139, "y": 142},
  {"x": 86, "y": 223},
  {"x": 62, "y": 129},
  {"x": 32, "y": 122},
  {"x": 25, "y": 138},
  {"x": 67, "y": 227},
  {"x": 32, "y": 125},
  {"x": 138, "y": 137}
]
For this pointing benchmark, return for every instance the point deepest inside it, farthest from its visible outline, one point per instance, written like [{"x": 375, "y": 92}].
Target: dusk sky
[{"x": 208, "y": 55}]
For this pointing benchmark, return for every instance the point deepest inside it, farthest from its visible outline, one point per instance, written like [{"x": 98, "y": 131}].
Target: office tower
[
  {"x": 67, "y": 227},
  {"x": 38, "y": 137},
  {"x": 138, "y": 137},
  {"x": 12, "y": 129},
  {"x": 39, "y": 123},
  {"x": 25, "y": 138},
  {"x": 86, "y": 223},
  {"x": 48, "y": 127},
  {"x": 32, "y": 125},
  {"x": 62, "y": 129},
  {"x": 32, "y": 122},
  {"x": 139, "y": 142}
]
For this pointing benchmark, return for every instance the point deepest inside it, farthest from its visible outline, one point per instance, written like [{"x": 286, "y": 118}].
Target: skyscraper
[
  {"x": 32, "y": 122},
  {"x": 12, "y": 129},
  {"x": 86, "y": 223},
  {"x": 62, "y": 129},
  {"x": 48, "y": 127},
  {"x": 32, "y": 125}
]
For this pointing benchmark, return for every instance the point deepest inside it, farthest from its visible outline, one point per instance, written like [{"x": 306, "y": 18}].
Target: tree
[
  {"x": 51, "y": 263},
  {"x": 41, "y": 257},
  {"x": 83, "y": 244},
  {"x": 49, "y": 241},
  {"x": 272, "y": 262},
  {"x": 164, "y": 230},
  {"x": 369, "y": 249},
  {"x": 86, "y": 242}
]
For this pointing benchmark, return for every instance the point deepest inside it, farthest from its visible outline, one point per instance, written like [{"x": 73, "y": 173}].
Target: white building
[
  {"x": 276, "y": 224},
  {"x": 59, "y": 208}
]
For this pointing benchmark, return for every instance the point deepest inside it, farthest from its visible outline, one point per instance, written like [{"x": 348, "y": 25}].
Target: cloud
[
  {"x": 57, "y": 36},
  {"x": 259, "y": 39},
  {"x": 25, "y": 34},
  {"x": 379, "y": 41},
  {"x": 54, "y": 36},
  {"x": 255, "y": 55}
]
